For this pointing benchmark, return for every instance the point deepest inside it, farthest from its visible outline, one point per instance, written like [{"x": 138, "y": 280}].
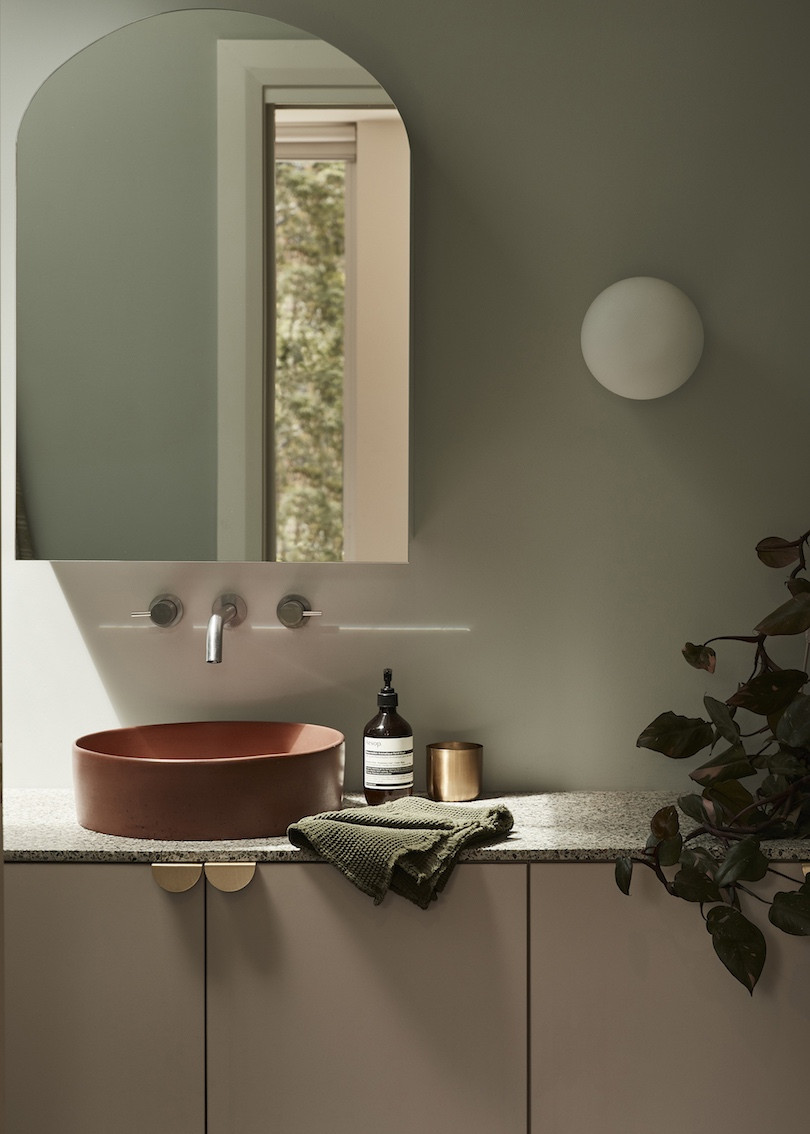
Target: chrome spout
[
  {"x": 213, "y": 638},
  {"x": 228, "y": 610}
]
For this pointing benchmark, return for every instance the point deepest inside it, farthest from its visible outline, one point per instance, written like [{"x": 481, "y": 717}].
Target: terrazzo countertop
[{"x": 39, "y": 825}]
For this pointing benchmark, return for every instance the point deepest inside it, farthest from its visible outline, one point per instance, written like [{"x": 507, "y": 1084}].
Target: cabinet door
[
  {"x": 326, "y": 1012},
  {"x": 104, "y": 1002},
  {"x": 638, "y": 1027}
]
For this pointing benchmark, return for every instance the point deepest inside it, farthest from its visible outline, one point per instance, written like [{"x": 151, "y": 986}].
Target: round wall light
[{"x": 642, "y": 337}]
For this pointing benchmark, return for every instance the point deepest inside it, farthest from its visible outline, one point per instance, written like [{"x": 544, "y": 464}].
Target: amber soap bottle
[{"x": 387, "y": 750}]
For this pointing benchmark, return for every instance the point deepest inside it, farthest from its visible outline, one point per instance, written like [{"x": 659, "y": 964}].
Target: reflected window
[
  {"x": 339, "y": 260},
  {"x": 313, "y": 199},
  {"x": 282, "y": 491}
]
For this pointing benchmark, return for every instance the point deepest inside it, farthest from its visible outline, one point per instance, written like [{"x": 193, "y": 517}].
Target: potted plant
[{"x": 755, "y": 784}]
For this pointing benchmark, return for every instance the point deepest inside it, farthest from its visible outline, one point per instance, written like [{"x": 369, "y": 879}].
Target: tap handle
[
  {"x": 164, "y": 611},
  {"x": 294, "y": 610}
]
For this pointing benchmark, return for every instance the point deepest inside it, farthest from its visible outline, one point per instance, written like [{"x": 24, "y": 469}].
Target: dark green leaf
[
  {"x": 722, "y": 719},
  {"x": 669, "y": 850},
  {"x": 700, "y": 858},
  {"x": 624, "y": 872},
  {"x": 701, "y": 657},
  {"x": 774, "y": 551},
  {"x": 768, "y": 692},
  {"x": 676, "y": 736},
  {"x": 790, "y": 912},
  {"x": 664, "y": 824},
  {"x": 731, "y": 764},
  {"x": 773, "y": 719},
  {"x": 738, "y": 943},
  {"x": 694, "y": 886},
  {"x": 794, "y": 725},
  {"x": 692, "y": 805},
  {"x": 798, "y": 585},
  {"x": 783, "y": 764},
  {"x": 792, "y": 617},
  {"x": 743, "y": 861},
  {"x": 772, "y": 785},
  {"x": 729, "y": 799}
]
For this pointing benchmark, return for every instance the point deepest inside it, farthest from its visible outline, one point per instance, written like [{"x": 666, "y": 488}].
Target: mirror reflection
[{"x": 213, "y": 292}]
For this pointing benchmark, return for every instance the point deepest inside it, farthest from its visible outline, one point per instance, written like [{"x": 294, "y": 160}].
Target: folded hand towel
[{"x": 409, "y": 845}]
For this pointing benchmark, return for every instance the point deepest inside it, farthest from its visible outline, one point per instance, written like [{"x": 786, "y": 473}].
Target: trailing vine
[{"x": 718, "y": 861}]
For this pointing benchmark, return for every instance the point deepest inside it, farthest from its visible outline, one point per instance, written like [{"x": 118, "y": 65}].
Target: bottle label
[{"x": 387, "y": 762}]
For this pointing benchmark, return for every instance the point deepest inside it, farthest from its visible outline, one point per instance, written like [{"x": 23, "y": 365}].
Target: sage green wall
[{"x": 567, "y": 541}]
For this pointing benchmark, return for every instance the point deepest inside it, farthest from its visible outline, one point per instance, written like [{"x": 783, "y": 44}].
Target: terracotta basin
[{"x": 206, "y": 779}]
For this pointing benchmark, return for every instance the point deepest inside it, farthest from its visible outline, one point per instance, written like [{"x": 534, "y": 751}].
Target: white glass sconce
[{"x": 642, "y": 337}]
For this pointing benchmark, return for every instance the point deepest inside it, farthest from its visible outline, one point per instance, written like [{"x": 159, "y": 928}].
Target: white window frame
[{"x": 250, "y": 73}]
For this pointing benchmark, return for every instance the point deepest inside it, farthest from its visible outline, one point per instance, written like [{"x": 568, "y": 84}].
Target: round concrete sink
[{"x": 206, "y": 779}]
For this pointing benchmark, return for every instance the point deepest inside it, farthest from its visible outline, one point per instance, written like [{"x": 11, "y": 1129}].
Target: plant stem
[
  {"x": 736, "y": 638},
  {"x": 737, "y": 832},
  {"x": 773, "y": 870},
  {"x": 656, "y": 868},
  {"x": 753, "y": 894},
  {"x": 802, "y": 565}
]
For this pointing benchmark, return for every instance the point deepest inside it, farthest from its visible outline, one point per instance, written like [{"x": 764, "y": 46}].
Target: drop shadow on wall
[
  {"x": 327, "y": 673},
  {"x": 145, "y": 669}
]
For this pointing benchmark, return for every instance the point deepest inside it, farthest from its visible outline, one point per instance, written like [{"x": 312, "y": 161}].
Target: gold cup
[{"x": 454, "y": 770}]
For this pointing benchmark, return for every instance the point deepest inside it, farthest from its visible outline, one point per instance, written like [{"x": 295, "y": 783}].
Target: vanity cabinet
[
  {"x": 326, "y": 1012},
  {"x": 322, "y": 1011},
  {"x": 104, "y": 1002},
  {"x": 295, "y": 1003},
  {"x": 635, "y": 1024}
]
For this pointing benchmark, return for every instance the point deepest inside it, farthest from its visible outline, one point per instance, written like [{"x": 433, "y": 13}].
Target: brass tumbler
[{"x": 454, "y": 770}]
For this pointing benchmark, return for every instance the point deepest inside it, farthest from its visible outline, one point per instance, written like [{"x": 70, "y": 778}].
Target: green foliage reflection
[{"x": 310, "y": 290}]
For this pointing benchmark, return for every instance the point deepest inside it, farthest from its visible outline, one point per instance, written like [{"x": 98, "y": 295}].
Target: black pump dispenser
[
  {"x": 387, "y": 749},
  {"x": 387, "y": 696}
]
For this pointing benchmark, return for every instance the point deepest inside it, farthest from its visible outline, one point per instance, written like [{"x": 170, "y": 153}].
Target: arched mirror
[{"x": 213, "y": 300}]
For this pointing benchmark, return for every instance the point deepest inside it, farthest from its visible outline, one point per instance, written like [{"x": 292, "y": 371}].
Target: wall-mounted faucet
[{"x": 228, "y": 610}]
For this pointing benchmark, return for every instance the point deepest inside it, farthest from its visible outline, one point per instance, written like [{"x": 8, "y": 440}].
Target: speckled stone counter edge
[{"x": 40, "y": 826}]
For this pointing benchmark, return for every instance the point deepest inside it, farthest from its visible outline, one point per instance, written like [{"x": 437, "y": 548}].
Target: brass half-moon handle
[
  {"x": 176, "y": 876},
  {"x": 229, "y": 876},
  {"x": 806, "y": 868}
]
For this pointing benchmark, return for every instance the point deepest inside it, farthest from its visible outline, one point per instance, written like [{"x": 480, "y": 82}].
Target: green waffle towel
[{"x": 409, "y": 845}]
